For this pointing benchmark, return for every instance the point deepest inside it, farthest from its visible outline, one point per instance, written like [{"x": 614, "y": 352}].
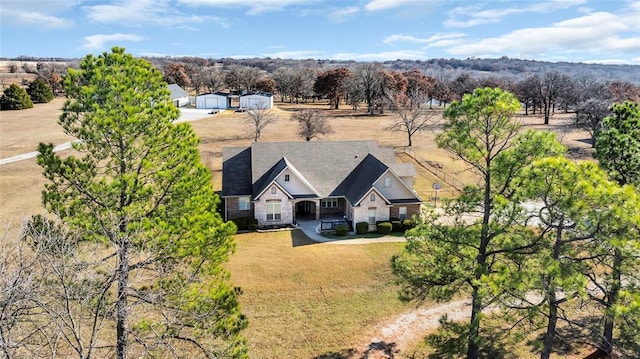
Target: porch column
[
  {"x": 293, "y": 211},
  {"x": 317, "y": 209}
]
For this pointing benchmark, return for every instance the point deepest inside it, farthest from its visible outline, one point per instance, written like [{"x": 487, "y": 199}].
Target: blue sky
[{"x": 602, "y": 31}]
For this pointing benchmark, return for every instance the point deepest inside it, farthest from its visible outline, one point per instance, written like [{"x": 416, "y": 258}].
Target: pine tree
[
  {"x": 470, "y": 254},
  {"x": 618, "y": 152},
  {"x": 139, "y": 189},
  {"x": 15, "y": 98},
  {"x": 40, "y": 91}
]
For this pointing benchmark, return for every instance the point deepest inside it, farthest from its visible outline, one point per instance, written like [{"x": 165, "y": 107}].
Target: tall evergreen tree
[
  {"x": 467, "y": 253},
  {"x": 40, "y": 91},
  {"x": 618, "y": 152},
  {"x": 139, "y": 189},
  {"x": 15, "y": 98},
  {"x": 570, "y": 214}
]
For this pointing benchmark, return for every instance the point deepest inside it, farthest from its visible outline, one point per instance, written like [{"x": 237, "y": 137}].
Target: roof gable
[
  {"x": 177, "y": 92},
  {"x": 327, "y": 168},
  {"x": 268, "y": 177},
  {"x": 360, "y": 181},
  {"x": 324, "y": 164}
]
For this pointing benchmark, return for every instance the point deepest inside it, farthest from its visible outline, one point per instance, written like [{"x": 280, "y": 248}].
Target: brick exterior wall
[
  {"x": 412, "y": 209},
  {"x": 286, "y": 208},
  {"x": 232, "y": 204}
]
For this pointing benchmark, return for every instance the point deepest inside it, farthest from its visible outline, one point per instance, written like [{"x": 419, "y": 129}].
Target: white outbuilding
[
  {"x": 257, "y": 100},
  {"x": 216, "y": 100},
  {"x": 179, "y": 97}
]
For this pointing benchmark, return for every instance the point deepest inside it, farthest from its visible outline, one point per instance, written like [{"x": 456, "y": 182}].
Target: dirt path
[{"x": 395, "y": 336}]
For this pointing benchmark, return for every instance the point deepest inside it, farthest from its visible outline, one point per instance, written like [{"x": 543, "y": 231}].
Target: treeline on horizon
[{"x": 503, "y": 66}]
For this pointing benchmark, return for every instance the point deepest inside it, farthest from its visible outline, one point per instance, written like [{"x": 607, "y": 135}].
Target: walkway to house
[{"x": 311, "y": 230}]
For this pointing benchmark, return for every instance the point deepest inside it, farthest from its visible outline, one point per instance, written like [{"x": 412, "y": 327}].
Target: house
[
  {"x": 179, "y": 97},
  {"x": 256, "y": 100},
  {"x": 280, "y": 183},
  {"x": 216, "y": 100}
]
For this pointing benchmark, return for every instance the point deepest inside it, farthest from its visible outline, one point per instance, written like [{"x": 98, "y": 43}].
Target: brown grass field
[{"x": 310, "y": 301}]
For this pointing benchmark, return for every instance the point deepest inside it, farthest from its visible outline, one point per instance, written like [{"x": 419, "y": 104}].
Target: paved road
[{"x": 186, "y": 115}]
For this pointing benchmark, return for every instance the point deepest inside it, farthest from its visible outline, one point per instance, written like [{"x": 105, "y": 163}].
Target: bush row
[
  {"x": 246, "y": 223},
  {"x": 386, "y": 227},
  {"x": 17, "y": 98},
  {"x": 394, "y": 225}
]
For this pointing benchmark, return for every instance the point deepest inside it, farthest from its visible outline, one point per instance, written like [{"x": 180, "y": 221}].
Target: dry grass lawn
[
  {"x": 311, "y": 300},
  {"x": 303, "y": 301}
]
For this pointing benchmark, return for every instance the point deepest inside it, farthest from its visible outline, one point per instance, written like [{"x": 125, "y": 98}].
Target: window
[
  {"x": 372, "y": 197},
  {"x": 387, "y": 182},
  {"x": 273, "y": 210},
  {"x": 273, "y": 190},
  {"x": 244, "y": 203},
  {"x": 372, "y": 215},
  {"x": 402, "y": 213},
  {"x": 286, "y": 178},
  {"x": 329, "y": 203}
]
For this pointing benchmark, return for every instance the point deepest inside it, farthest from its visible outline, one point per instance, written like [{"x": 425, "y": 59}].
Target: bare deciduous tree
[
  {"x": 311, "y": 123},
  {"x": 239, "y": 77},
  {"x": 19, "y": 285},
  {"x": 213, "y": 79},
  {"x": 257, "y": 119},
  {"x": 411, "y": 119},
  {"x": 553, "y": 84}
]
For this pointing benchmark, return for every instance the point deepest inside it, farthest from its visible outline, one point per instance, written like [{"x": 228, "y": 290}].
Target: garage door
[{"x": 210, "y": 103}]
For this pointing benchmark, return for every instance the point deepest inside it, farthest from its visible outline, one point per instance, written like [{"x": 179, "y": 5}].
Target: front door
[{"x": 306, "y": 210}]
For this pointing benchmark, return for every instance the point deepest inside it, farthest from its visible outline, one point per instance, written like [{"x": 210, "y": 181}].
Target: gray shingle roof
[
  {"x": 177, "y": 92},
  {"x": 236, "y": 171},
  {"x": 361, "y": 179},
  {"x": 268, "y": 177},
  {"x": 332, "y": 168},
  {"x": 323, "y": 163}
]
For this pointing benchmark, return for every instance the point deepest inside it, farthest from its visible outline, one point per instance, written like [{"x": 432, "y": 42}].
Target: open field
[
  {"x": 311, "y": 301},
  {"x": 21, "y": 131}
]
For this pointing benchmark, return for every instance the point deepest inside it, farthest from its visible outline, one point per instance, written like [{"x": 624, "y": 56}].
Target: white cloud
[
  {"x": 296, "y": 55},
  {"x": 635, "y": 60},
  {"x": 37, "y": 13},
  {"x": 99, "y": 41},
  {"x": 380, "y": 56},
  {"x": 140, "y": 12},
  {"x": 417, "y": 40},
  {"x": 342, "y": 13},
  {"x": 254, "y": 6},
  {"x": 470, "y": 16},
  {"x": 614, "y": 34},
  {"x": 375, "y": 5}
]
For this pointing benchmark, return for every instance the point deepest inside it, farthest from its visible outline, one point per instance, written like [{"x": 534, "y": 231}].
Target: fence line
[{"x": 436, "y": 168}]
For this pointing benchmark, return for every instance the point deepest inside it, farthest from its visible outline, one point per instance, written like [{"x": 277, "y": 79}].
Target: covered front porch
[{"x": 316, "y": 209}]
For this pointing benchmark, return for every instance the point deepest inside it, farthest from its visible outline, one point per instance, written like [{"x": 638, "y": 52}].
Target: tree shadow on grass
[
  {"x": 342, "y": 354},
  {"x": 451, "y": 339},
  {"x": 570, "y": 339},
  {"x": 584, "y": 335},
  {"x": 374, "y": 350}
]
